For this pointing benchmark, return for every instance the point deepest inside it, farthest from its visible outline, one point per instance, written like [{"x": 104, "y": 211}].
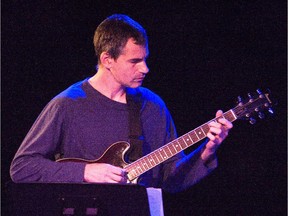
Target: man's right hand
[{"x": 104, "y": 173}]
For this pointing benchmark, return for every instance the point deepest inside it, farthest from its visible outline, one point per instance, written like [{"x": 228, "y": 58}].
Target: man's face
[{"x": 130, "y": 68}]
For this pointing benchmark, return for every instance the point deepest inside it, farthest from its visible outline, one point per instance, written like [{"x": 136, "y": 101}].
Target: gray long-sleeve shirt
[{"x": 80, "y": 122}]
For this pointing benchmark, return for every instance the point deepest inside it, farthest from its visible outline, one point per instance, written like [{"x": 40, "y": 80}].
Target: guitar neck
[{"x": 172, "y": 148}]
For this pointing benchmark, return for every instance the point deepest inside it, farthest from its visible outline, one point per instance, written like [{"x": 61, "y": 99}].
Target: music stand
[{"x": 49, "y": 199}]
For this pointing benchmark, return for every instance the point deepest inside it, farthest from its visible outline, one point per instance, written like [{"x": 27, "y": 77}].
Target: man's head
[{"x": 113, "y": 33}]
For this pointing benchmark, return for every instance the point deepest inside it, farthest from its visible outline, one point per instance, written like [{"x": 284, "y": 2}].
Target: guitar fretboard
[{"x": 162, "y": 154}]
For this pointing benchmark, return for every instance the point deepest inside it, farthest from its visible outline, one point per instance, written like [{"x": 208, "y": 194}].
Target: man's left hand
[{"x": 218, "y": 132}]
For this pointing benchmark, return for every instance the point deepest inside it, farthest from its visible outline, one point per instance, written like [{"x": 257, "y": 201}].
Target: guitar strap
[{"x": 134, "y": 102}]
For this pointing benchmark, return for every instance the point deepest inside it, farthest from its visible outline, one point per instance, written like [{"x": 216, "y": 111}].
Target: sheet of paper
[{"x": 155, "y": 201}]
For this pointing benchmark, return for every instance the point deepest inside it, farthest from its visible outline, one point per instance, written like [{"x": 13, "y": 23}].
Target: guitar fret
[
  {"x": 145, "y": 164},
  {"x": 226, "y": 115},
  {"x": 160, "y": 157},
  {"x": 183, "y": 138},
  {"x": 148, "y": 162},
  {"x": 194, "y": 136},
  {"x": 206, "y": 128},
  {"x": 197, "y": 136},
  {"x": 134, "y": 173},
  {"x": 139, "y": 168},
  {"x": 232, "y": 116},
  {"x": 150, "y": 159},
  {"x": 189, "y": 136},
  {"x": 169, "y": 152},
  {"x": 161, "y": 152},
  {"x": 177, "y": 147},
  {"x": 174, "y": 147},
  {"x": 188, "y": 139},
  {"x": 199, "y": 133},
  {"x": 202, "y": 131},
  {"x": 182, "y": 144},
  {"x": 155, "y": 156},
  {"x": 134, "y": 170}
]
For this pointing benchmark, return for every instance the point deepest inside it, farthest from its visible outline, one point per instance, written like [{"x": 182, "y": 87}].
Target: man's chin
[{"x": 135, "y": 84}]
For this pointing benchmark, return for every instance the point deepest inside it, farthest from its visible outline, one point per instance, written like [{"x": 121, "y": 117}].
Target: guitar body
[{"x": 114, "y": 155}]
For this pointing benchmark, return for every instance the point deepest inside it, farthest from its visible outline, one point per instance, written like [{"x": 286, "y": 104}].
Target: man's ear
[{"x": 106, "y": 60}]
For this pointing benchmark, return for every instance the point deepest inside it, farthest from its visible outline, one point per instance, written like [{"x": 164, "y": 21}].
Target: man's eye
[{"x": 135, "y": 61}]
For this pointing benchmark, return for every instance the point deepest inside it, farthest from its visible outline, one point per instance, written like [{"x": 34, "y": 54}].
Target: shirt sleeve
[
  {"x": 183, "y": 171},
  {"x": 34, "y": 160}
]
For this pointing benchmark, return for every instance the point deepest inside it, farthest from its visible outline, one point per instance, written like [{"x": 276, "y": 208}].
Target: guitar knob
[
  {"x": 270, "y": 110},
  {"x": 259, "y": 91},
  {"x": 261, "y": 115},
  {"x": 239, "y": 100},
  {"x": 250, "y": 97},
  {"x": 252, "y": 121}
]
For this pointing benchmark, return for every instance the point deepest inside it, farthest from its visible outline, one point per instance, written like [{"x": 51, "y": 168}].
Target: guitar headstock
[{"x": 254, "y": 104}]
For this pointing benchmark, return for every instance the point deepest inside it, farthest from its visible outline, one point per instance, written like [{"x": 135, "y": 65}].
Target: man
[{"x": 85, "y": 119}]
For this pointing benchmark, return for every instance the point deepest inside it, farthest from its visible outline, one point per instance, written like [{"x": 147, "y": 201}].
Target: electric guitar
[{"x": 115, "y": 154}]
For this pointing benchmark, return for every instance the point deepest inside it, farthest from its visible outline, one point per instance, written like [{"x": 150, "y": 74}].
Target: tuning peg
[
  {"x": 250, "y": 97},
  {"x": 259, "y": 91},
  {"x": 239, "y": 100},
  {"x": 270, "y": 110},
  {"x": 261, "y": 115},
  {"x": 252, "y": 121},
  {"x": 268, "y": 91}
]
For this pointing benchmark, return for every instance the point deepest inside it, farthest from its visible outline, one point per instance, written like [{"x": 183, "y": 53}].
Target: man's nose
[{"x": 144, "y": 68}]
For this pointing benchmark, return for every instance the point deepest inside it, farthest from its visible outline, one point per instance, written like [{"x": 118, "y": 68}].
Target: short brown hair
[{"x": 113, "y": 33}]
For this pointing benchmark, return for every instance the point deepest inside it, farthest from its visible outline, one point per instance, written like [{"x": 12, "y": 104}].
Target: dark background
[{"x": 202, "y": 56}]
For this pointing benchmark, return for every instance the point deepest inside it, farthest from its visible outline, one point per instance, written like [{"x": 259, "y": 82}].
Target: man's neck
[{"x": 108, "y": 87}]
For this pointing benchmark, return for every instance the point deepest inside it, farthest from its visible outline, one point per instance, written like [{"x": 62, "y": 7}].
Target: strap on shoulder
[{"x": 135, "y": 103}]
